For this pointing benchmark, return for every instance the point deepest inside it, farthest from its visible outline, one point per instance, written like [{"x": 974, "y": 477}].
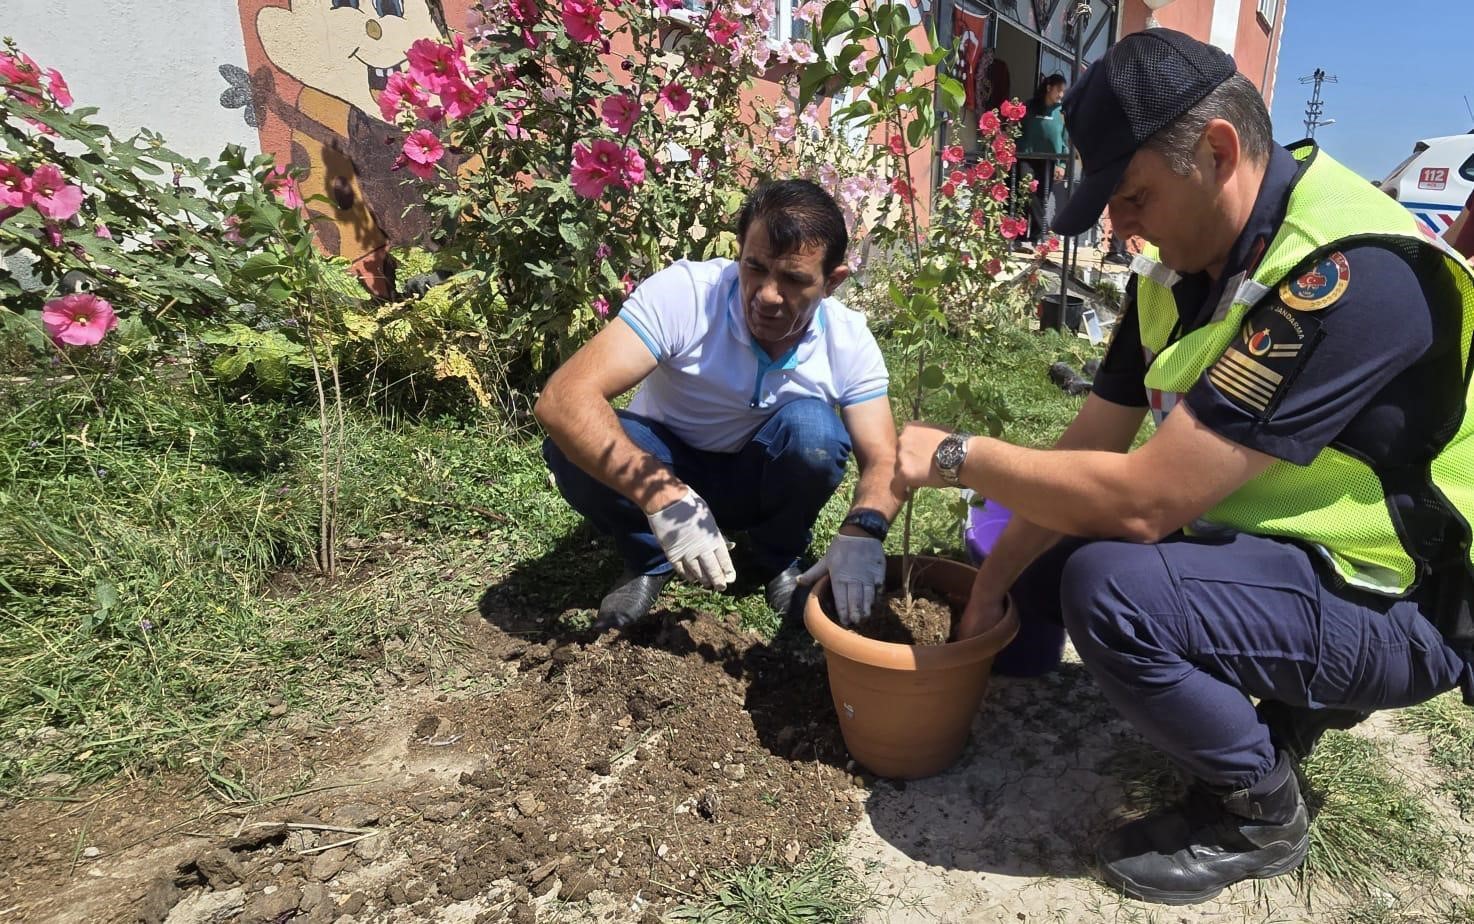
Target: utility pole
[{"x": 1315, "y": 105}]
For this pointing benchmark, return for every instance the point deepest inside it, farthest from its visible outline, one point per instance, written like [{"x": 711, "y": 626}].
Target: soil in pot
[{"x": 927, "y": 621}]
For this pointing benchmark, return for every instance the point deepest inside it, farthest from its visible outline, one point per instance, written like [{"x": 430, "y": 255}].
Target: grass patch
[
  {"x": 820, "y": 890},
  {"x": 1449, "y": 728},
  {"x": 1368, "y": 827},
  {"x": 143, "y": 619}
]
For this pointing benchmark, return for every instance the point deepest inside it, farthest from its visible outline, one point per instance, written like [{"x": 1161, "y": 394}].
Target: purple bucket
[{"x": 1040, "y": 644}]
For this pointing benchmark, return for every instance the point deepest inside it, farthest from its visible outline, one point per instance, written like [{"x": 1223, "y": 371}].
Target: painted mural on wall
[{"x": 316, "y": 68}]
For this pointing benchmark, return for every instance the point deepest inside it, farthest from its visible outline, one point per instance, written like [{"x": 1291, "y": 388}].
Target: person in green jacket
[
  {"x": 1290, "y": 550},
  {"x": 1043, "y": 133}
]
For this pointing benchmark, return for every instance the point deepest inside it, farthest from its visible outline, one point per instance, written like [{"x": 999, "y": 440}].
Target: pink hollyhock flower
[
  {"x": 103, "y": 231},
  {"x": 629, "y": 283},
  {"x": 810, "y": 11},
  {"x": 952, "y": 155},
  {"x": 957, "y": 178},
  {"x": 460, "y": 98},
  {"x": 601, "y": 306},
  {"x": 995, "y": 267},
  {"x": 999, "y": 192},
  {"x": 1013, "y": 110},
  {"x": 423, "y": 171},
  {"x": 19, "y": 69},
  {"x": 949, "y": 190},
  {"x": 401, "y": 88},
  {"x": 901, "y": 188},
  {"x": 524, "y": 11},
  {"x": 802, "y": 53},
  {"x": 233, "y": 230},
  {"x": 676, "y": 97},
  {"x": 897, "y": 145},
  {"x": 58, "y": 88},
  {"x": 979, "y": 218},
  {"x": 1006, "y": 158},
  {"x": 15, "y": 187},
  {"x": 632, "y": 172},
  {"x": 284, "y": 187},
  {"x": 602, "y": 251},
  {"x": 581, "y": 20},
  {"x": 1008, "y": 229},
  {"x": 1033, "y": 186},
  {"x": 52, "y": 195},
  {"x": 861, "y": 61},
  {"x": 620, "y": 112},
  {"x": 989, "y": 123},
  {"x": 760, "y": 54},
  {"x": 719, "y": 28},
  {"x": 982, "y": 172},
  {"x": 52, "y": 234},
  {"x": 434, "y": 65},
  {"x": 79, "y": 319},
  {"x": 665, "y": 6},
  {"x": 423, "y": 147},
  {"x": 594, "y": 167}
]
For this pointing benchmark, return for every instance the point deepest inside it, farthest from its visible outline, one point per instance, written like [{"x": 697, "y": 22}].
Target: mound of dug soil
[{"x": 611, "y": 775}]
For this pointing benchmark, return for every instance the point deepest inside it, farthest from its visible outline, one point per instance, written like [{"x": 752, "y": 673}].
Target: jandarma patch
[
  {"x": 1321, "y": 286},
  {"x": 1262, "y": 360}
]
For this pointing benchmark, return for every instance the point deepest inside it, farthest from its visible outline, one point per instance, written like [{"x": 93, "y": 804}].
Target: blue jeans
[
  {"x": 1180, "y": 633},
  {"x": 773, "y": 488}
]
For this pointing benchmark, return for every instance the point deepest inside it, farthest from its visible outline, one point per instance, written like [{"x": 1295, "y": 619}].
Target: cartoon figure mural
[{"x": 316, "y": 69}]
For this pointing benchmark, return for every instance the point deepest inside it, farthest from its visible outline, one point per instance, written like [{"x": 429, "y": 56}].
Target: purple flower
[{"x": 146, "y": 624}]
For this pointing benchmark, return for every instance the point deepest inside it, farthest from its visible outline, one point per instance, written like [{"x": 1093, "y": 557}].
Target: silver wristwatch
[{"x": 950, "y": 455}]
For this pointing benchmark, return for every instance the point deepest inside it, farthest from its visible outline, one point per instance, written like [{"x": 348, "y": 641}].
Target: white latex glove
[
  {"x": 856, "y": 567},
  {"x": 692, "y": 542}
]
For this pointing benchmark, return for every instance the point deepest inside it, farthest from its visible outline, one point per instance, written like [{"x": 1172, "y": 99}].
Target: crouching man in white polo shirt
[{"x": 741, "y": 368}]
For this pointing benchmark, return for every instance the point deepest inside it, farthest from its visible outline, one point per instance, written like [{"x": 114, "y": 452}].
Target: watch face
[{"x": 949, "y": 453}]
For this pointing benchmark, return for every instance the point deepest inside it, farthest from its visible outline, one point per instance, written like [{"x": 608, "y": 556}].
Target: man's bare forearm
[{"x": 584, "y": 426}]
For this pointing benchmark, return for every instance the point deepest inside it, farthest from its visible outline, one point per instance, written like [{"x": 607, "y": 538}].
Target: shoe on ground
[
  {"x": 1193, "y": 851},
  {"x": 630, "y": 600},
  {"x": 784, "y": 594}
]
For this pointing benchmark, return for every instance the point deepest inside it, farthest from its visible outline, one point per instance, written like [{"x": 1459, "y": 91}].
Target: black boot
[
  {"x": 1190, "y": 853},
  {"x": 1296, "y": 729},
  {"x": 630, "y": 600},
  {"x": 782, "y": 593}
]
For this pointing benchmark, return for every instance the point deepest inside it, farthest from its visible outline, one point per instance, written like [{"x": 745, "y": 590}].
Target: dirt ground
[
  {"x": 580, "y": 780},
  {"x": 591, "y": 779}
]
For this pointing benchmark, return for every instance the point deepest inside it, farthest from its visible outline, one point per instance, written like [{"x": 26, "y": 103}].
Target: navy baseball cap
[{"x": 1143, "y": 84}]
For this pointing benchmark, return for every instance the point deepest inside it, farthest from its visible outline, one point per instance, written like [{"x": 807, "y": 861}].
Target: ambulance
[{"x": 1435, "y": 181}]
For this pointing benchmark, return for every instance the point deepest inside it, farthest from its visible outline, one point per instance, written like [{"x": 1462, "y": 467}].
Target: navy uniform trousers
[{"x": 1178, "y": 634}]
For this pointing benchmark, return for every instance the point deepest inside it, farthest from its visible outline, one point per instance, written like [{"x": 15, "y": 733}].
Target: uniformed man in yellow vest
[{"x": 1296, "y": 530}]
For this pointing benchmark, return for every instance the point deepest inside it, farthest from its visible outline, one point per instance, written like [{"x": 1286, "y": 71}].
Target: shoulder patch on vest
[
  {"x": 1262, "y": 360},
  {"x": 1318, "y": 287}
]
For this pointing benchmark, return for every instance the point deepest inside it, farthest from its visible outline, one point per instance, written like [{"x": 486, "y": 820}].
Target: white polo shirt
[{"x": 713, "y": 385}]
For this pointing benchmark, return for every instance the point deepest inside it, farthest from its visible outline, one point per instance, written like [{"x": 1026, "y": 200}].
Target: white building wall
[{"x": 143, "y": 63}]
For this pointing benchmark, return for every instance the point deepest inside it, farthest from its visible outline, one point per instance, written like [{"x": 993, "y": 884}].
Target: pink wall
[{"x": 1255, "y": 45}]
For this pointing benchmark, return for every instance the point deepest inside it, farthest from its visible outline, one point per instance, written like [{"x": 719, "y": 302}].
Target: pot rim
[{"x": 850, "y": 644}]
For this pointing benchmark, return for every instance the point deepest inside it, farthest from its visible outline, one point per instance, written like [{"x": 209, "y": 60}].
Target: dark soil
[
  {"x": 928, "y": 620},
  {"x": 620, "y": 770}
]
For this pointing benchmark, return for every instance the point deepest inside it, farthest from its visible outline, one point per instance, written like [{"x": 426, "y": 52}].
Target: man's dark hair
[
  {"x": 795, "y": 213},
  {"x": 1235, "y": 100}
]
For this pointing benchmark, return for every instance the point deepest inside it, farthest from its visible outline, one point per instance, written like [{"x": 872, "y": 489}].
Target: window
[
  {"x": 1467, "y": 171},
  {"x": 785, "y": 28},
  {"x": 1267, "y": 9}
]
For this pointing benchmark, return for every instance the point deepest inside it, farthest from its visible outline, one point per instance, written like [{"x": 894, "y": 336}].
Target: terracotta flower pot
[{"x": 905, "y": 710}]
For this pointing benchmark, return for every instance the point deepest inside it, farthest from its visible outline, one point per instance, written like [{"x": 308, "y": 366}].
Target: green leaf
[
  {"x": 953, "y": 93},
  {"x": 916, "y": 131},
  {"x": 932, "y": 377},
  {"x": 812, "y": 81}
]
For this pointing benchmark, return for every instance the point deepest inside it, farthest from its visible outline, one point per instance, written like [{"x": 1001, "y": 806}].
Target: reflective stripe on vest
[{"x": 1336, "y": 504}]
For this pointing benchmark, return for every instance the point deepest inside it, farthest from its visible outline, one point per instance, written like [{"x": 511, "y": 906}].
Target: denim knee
[{"x": 810, "y": 437}]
